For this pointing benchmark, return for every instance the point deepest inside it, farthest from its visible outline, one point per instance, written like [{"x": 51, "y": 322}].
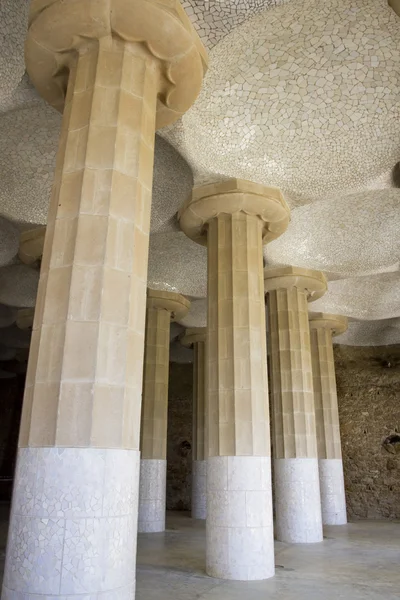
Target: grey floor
[{"x": 359, "y": 560}]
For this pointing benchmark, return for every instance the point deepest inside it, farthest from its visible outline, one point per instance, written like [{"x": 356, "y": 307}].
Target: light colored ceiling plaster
[
  {"x": 348, "y": 235},
  {"x": 370, "y": 333},
  {"x": 303, "y": 96},
  {"x": 18, "y": 286},
  {"x": 197, "y": 315},
  {"x": 179, "y": 353},
  {"x": 370, "y": 297},
  {"x": 176, "y": 264},
  {"x": 8, "y": 315},
  {"x": 9, "y": 241},
  {"x": 28, "y": 147},
  {"x": 175, "y": 331},
  {"x": 13, "y": 26}
]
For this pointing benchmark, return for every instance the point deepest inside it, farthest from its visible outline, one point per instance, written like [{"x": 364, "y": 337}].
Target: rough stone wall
[
  {"x": 179, "y": 447},
  {"x": 368, "y": 382}
]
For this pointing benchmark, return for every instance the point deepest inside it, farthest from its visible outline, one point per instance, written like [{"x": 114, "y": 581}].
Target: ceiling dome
[
  {"x": 346, "y": 235},
  {"x": 303, "y": 96}
]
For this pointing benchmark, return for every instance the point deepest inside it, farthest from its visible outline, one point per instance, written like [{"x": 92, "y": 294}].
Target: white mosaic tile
[
  {"x": 152, "y": 495},
  {"x": 65, "y": 537},
  {"x": 333, "y": 497},
  {"x": 9, "y": 241},
  {"x": 239, "y": 525},
  {"x": 372, "y": 297},
  {"x": 214, "y": 19},
  {"x": 18, "y": 286},
  {"x": 297, "y": 501},
  {"x": 303, "y": 96},
  {"x": 13, "y": 26},
  {"x": 28, "y": 148},
  {"x": 34, "y": 555},
  {"x": 199, "y": 489},
  {"x": 197, "y": 315},
  {"x": 370, "y": 333},
  {"x": 345, "y": 235},
  {"x": 179, "y": 354},
  {"x": 8, "y": 315},
  {"x": 176, "y": 264}
]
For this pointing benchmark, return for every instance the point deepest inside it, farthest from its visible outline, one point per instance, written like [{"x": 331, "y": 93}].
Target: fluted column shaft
[
  {"x": 74, "y": 514},
  {"x": 79, "y": 429},
  {"x": 333, "y": 499},
  {"x": 238, "y": 436},
  {"x": 161, "y": 307},
  {"x": 199, "y": 465},
  {"x": 297, "y": 494},
  {"x": 196, "y": 338},
  {"x": 234, "y": 218}
]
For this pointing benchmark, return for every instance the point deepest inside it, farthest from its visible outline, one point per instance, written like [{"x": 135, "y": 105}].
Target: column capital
[
  {"x": 174, "y": 303},
  {"x": 58, "y": 30},
  {"x": 233, "y": 196},
  {"x": 194, "y": 335},
  {"x": 335, "y": 323},
  {"x": 312, "y": 282},
  {"x": 31, "y": 244}
]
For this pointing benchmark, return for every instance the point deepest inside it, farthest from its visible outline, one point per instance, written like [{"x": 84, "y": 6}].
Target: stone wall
[
  {"x": 179, "y": 449},
  {"x": 368, "y": 382}
]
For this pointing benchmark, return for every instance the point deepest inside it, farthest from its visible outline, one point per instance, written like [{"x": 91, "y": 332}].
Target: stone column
[
  {"x": 234, "y": 218},
  {"x": 196, "y": 338},
  {"x": 162, "y": 307},
  {"x": 331, "y": 480},
  {"x": 297, "y": 494},
  {"x": 118, "y": 69}
]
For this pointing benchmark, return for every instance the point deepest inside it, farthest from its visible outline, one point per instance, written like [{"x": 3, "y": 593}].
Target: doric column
[
  {"x": 234, "y": 218},
  {"x": 118, "y": 69},
  {"x": 196, "y": 338},
  {"x": 162, "y": 307},
  {"x": 331, "y": 480},
  {"x": 297, "y": 494}
]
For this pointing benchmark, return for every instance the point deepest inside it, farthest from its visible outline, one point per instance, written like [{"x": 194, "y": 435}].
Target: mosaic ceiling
[
  {"x": 303, "y": 97},
  {"x": 300, "y": 94}
]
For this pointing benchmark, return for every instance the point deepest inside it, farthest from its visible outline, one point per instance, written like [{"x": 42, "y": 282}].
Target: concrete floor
[{"x": 359, "y": 560}]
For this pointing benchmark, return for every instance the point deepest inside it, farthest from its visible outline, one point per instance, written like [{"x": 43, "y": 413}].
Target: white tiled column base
[
  {"x": 152, "y": 491},
  {"x": 199, "y": 489},
  {"x": 240, "y": 539},
  {"x": 297, "y": 500},
  {"x": 333, "y": 497},
  {"x": 73, "y": 525}
]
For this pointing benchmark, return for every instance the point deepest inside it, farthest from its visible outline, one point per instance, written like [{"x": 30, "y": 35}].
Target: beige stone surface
[
  {"x": 87, "y": 343},
  {"x": 57, "y": 29},
  {"x": 288, "y": 290},
  {"x": 88, "y": 332},
  {"x": 196, "y": 338},
  {"x": 161, "y": 307},
  {"x": 322, "y": 328},
  {"x": 230, "y": 197},
  {"x": 234, "y": 218},
  {"x": 31, "y": 245}
]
